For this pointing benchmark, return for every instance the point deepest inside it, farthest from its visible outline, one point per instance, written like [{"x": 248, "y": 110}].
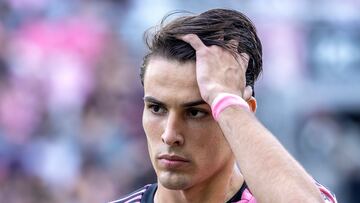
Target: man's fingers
[{"x": 193, "y": 40}]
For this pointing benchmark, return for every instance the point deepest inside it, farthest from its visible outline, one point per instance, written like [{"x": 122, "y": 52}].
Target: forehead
[{"x": 170, "y": 80}]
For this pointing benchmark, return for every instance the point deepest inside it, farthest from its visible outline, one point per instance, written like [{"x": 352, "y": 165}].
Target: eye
[
  {"x": 156, "y": 109},
  {"x": 196, "y": 113}
]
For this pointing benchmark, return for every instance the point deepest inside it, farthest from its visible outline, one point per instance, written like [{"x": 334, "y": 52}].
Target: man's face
[{"x": 186, "y": 145}]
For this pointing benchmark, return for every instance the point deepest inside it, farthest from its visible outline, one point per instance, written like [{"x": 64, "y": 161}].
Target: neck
[{"x": 220, "y": 188}]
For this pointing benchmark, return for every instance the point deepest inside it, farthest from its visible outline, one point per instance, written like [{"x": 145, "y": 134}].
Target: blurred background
[{"x": 70, "y": 94}]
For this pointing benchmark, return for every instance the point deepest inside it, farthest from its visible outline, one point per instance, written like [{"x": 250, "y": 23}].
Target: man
[{"x": 204, "y": 141}]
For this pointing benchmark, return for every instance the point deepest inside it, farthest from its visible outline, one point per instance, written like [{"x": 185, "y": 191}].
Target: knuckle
[
  {"x": 193, "y": 38},
  {"x": 204, "y": 52},
  {"x": 190, "y": 37},
  {"x": 216, "y": 48}
]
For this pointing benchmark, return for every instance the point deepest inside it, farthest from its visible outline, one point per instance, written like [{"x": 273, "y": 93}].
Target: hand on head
[{"x": 218, "y": 71}]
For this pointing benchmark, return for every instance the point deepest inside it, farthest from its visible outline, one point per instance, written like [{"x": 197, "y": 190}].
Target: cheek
[
  {"x": 208, "y": 133},
  {"x": 150, "y": 124},
  {"x": 210, "y": 141},
  {"x": 152, "y": 130},
  {"x": 212, "y": 152}
]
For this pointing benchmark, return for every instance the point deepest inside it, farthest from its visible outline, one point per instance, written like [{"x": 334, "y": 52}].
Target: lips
[
  {"x": 172, "y": 157},
  {"x": 172, "y": 161}
]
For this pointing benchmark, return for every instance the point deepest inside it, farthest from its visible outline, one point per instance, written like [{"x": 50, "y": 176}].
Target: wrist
[
  {"x": 214, "y": 94},
  {"x": 225, "y": 100}
]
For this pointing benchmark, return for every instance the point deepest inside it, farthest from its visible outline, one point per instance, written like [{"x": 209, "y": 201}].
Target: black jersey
[{"x": 146, "y": 195}]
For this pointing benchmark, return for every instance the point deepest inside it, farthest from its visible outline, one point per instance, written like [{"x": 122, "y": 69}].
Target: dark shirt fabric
[{"x": 146, "y": 195}]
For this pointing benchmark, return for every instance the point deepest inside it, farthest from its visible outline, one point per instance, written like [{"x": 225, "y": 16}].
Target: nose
[{"x": 172, "y": 133}]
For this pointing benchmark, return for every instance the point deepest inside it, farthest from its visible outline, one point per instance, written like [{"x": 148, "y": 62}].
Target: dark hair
[{"x": 219, "y": 27}]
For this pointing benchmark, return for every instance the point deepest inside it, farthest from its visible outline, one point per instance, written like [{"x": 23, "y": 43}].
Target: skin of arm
[{"x": 271, "y": 173}]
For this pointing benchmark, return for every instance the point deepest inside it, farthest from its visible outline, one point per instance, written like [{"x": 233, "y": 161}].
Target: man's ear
[{"x": 252, "y": 104}]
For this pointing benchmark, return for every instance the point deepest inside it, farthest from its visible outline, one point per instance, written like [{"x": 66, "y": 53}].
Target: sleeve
[{"x": 328, "y": 196}]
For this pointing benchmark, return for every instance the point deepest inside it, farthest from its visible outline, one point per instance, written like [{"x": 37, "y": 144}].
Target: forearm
[{"x": 269, "y": 170}]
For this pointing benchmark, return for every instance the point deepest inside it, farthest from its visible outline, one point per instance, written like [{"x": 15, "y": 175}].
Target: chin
[{"x": 174, "y": 182}]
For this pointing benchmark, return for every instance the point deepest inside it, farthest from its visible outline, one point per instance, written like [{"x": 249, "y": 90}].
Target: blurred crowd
[
  {"x": 70, "y": 109},
  {"x": 71, "y": 99}
]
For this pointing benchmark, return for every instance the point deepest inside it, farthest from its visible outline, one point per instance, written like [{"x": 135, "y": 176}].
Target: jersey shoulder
[{"x": 134, "y": 196}]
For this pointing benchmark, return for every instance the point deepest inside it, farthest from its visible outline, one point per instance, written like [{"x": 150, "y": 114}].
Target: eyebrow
[{"x": 187, "y": 104}]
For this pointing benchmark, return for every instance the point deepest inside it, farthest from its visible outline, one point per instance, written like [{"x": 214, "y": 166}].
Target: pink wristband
[{"x": 224, "y": 100}]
